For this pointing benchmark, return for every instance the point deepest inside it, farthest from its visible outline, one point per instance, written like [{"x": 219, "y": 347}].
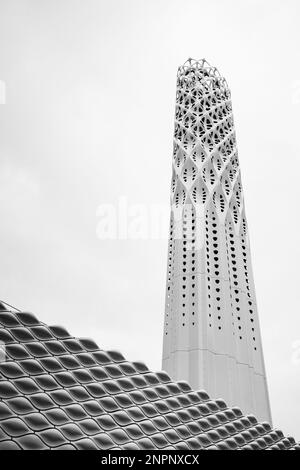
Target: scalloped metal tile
[{"x": 69, "y": 394}]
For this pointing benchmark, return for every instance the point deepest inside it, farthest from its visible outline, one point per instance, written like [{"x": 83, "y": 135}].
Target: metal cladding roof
[{"x": 61, "y": 392}]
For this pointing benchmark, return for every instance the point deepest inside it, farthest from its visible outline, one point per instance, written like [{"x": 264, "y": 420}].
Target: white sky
[{"x": 90, "y": 93}]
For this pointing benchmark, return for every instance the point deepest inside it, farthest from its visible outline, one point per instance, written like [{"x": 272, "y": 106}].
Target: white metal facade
[{"x": 211, "y": 328}]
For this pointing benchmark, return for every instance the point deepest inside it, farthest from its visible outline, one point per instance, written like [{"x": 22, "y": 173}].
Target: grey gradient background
[{"x": 90, "y": 93}]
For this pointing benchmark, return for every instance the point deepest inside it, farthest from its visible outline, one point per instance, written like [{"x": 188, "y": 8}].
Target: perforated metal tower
[{"x": 211, "y": 328}]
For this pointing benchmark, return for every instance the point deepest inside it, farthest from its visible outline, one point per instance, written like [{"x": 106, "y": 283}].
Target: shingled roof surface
[{"x": 60, "y": 392}]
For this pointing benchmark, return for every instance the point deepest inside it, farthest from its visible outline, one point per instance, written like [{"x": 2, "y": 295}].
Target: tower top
[{"x": 200, "y": 73}]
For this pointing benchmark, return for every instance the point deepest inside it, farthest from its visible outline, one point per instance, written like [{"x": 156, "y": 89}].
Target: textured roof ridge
[{"x": 58, "y": 391}]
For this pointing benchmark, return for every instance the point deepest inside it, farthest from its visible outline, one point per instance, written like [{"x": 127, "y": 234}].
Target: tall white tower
[{"x": 211, "y": 330}]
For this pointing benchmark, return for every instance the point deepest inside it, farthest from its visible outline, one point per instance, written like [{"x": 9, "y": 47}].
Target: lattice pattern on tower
[{"x": 205, "y": 163}]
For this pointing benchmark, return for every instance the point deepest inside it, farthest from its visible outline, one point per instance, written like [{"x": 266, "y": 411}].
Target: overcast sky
[{"x": 88, "y": 120}]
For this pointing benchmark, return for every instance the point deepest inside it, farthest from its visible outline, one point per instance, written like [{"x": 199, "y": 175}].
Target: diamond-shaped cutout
[
  {"x": 198, "y": 156},
  {"x": 219, "y": 200},
  {"x": 208, "y": 174},
  {"x": 179, "y": 158},
  {"x": 180, "y": 195},
  {"x": 189, "y": 172}
]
